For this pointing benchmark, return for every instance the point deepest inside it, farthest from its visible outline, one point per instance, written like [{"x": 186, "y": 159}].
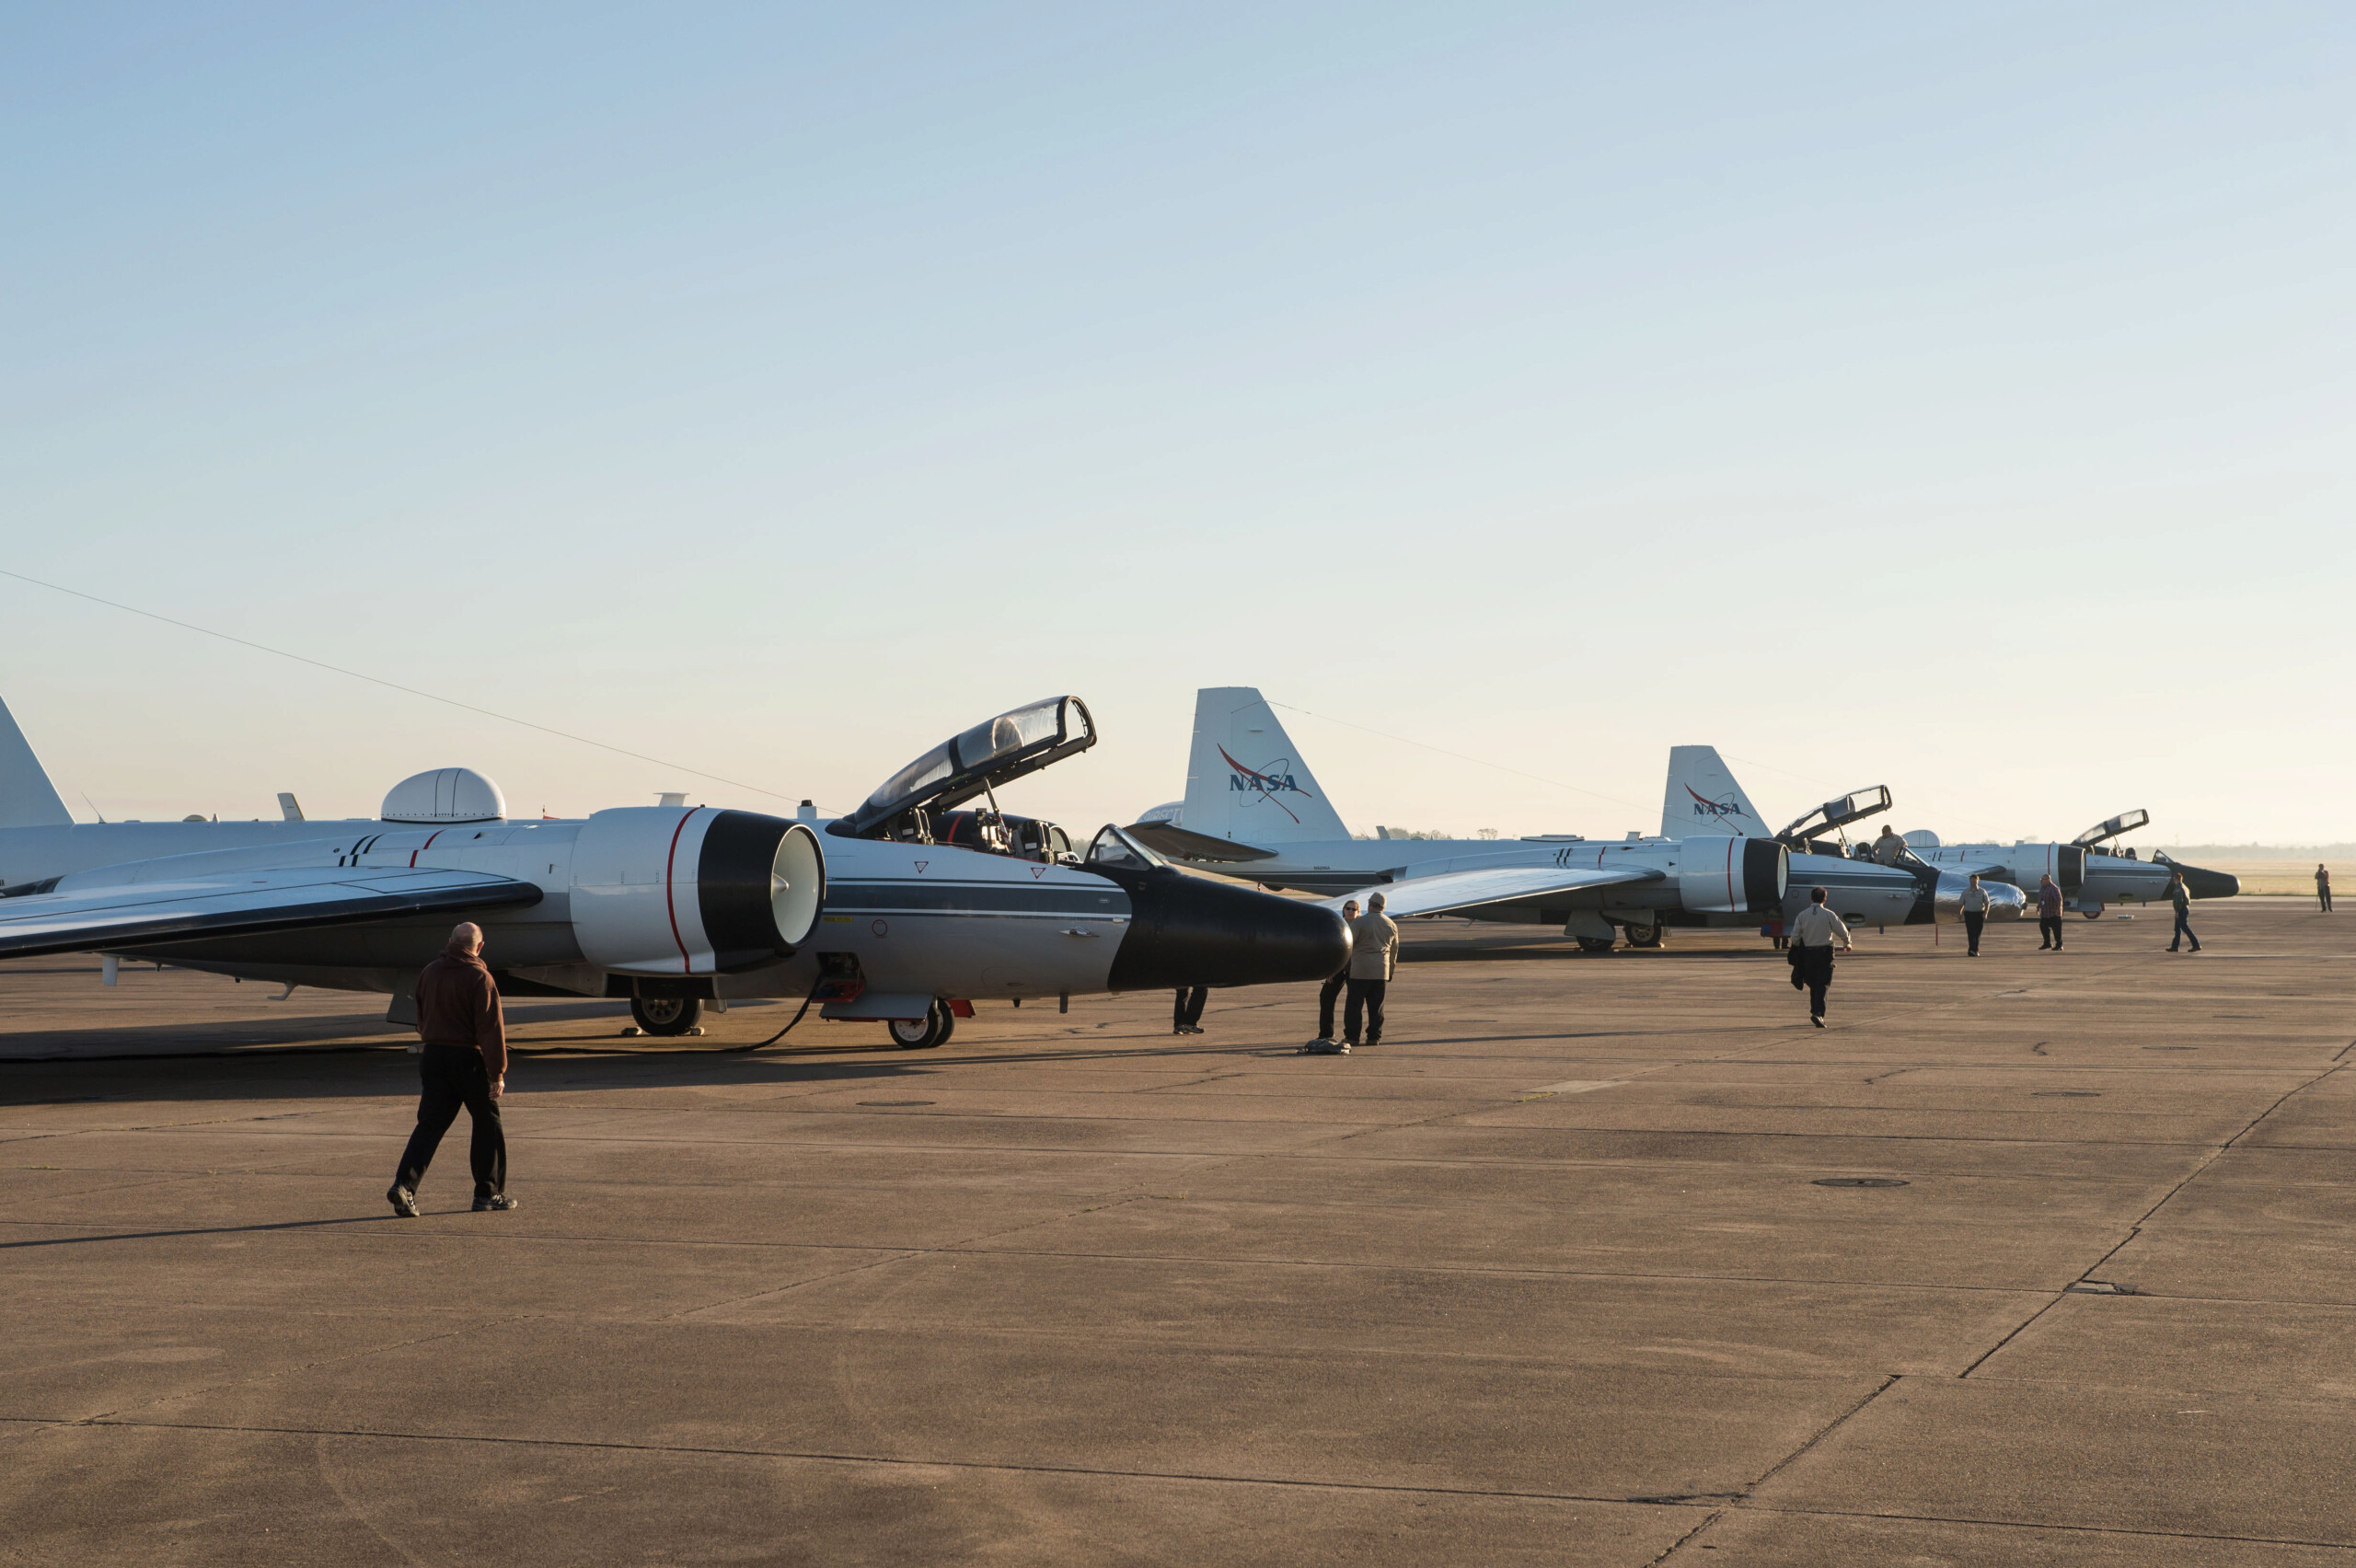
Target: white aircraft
[
  {"x": 1253, "y": 810},
  {"x": 905, "y": 912},
  {"x": 1701, "y": 785},
  {"x": 2088, "y": 876},
  {"x": 1702, "y": 789}
]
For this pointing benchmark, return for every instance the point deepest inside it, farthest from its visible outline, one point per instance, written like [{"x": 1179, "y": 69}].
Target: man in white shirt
[
  {"x": 1975, "y": 913},
  {"x": 1888, "y": 847},
  {"x": 1816, "y": 933},
  {"x": 1374, "y": 956}
]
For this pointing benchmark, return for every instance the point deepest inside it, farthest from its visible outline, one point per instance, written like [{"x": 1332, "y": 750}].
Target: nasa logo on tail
[
  {"x": 1264, "y": 783},
  {"x": 1718, "y": 810}
]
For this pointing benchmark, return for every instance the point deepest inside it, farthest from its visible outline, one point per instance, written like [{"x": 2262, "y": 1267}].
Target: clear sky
[{"x": 1951, "y": 397}]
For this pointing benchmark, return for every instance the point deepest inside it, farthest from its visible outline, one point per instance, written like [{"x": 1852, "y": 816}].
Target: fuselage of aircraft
[{"x": 895, "y": 912}]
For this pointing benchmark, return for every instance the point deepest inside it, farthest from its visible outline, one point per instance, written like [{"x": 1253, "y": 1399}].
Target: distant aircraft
[
  {"x": 1253, "y": 810},
  {"x": 2089, "y": 879},
  {"x": 905, "y": 912}
]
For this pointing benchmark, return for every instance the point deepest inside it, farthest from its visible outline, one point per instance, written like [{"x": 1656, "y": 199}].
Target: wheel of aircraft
[
  {"x": 2093, "y": 914},
  {"x": 665, "y": 1015},
  {"x": 1595, "y": 944},
  {"x": 1646, "y": 936},
  {"x": 923, "y": 1034}
]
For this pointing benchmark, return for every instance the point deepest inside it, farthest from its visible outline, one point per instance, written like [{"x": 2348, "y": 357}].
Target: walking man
[
  {"x": 1374, "y": 953},
  {"x": 1816, "y": 933},
  {"x": 1330, "y": 993},
  {"x": 2049, "y": 914},
  {"x": 1975, "y": 913},
  {"x": 2323, "y": 888},
  {"x": 465, "y": 1063},
  {"x": 1186, "y": 1012},
  {"x": 2180, "y": 897}
]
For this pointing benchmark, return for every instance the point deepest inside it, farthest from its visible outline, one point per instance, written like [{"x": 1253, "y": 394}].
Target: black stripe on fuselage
[{"x": 896, "y": 897}]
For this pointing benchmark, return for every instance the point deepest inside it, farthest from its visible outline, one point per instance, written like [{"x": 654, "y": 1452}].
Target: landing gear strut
[
  {"x": 665, "y": 1015},
  {"x": 923, "y": 1034}
]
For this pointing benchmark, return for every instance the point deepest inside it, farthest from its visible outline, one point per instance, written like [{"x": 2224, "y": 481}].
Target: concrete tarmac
[{"x": 2031, "y": 1259}]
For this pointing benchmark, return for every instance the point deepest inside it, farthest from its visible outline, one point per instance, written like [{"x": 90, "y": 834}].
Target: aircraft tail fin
[
  {"x": 27, "y": 797},
  {"x": 1245, "y": 780},
  {"x": 1704, "y": 796}
]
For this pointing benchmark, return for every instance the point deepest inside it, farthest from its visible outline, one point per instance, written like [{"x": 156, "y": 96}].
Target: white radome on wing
[{"x": 445, "y": 797}]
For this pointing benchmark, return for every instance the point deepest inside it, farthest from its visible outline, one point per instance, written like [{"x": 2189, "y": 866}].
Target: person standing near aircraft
[
  {"x": 2323, "y": 888},
  {"x": 1975, "y": 914},
  {"x": 2180, "y": 897},
  {"x": 1816, "y": 933},
  {"x": 1374, "y": 955},
  {"x": 1890, "y": 848},
  {"x": 2049, "y": 914},
  {"x": 1186, "y": 1012},
  {"x": 465, "y": 1063},
  {"x": 1331, "y": 992}
]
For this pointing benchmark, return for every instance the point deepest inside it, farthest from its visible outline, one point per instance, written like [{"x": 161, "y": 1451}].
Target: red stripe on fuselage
[{"x": 670, "y": 907}]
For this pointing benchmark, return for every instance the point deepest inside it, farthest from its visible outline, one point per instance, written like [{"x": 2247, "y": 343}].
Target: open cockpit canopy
[
  {"x": 1022, "y": 740},
  {"x": 1835, "y": 814},
  {"x": 2104, "y": 831}
]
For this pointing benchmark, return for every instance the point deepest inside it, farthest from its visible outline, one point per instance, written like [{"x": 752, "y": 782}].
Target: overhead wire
[{"x": 393, "y": 686}]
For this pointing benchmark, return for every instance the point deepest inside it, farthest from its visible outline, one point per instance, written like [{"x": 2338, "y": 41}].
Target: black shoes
[
  {"x": 495, "y": 1204},
  {"x": 1816, "y": 1021},
  {"x": 404, "y": 1202}
]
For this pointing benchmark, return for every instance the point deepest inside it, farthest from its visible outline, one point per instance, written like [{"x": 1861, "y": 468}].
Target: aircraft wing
[
  {"x": 241, "y": 903},
  {"x": 1187, "y": 846},
  {"x": 1451, "y": 892}
]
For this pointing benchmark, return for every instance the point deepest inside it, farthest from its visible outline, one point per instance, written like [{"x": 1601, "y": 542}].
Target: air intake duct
[
  {"x": 660, "y": 891},
  {"x": 1732, "y": 876}
]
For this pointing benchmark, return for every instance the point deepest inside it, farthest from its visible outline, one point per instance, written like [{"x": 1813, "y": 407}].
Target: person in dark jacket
[
  {"x": 2322, "y": 889},
  {"x": 1330, "y": 993},
  {"x": 2049, "y": 914},
  {"x": 465, "y": 1063},
  {"x": 2180, "y": 897}
]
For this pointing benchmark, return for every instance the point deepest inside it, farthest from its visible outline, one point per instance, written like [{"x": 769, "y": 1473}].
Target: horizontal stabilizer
[
  {"x": 1182, "y": 845},
  {"x": 1452, "y": 891},
  {"x": 241, "y": 903}
]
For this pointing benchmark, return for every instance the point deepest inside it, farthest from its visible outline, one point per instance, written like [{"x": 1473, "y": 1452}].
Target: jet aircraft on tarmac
[
  {"x": 904, "y": 912},
  {"x": 2088, "y": 877},
  {"x": 1253, "y": 810}
]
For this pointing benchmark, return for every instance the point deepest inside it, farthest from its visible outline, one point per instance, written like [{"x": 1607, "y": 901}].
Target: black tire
[
  {"x": 1647, "y": 935},
  {"x": 1596, "y": 944},
  {"x": 2093, "y": 914},
  {"x": 921, "y": 1033},
  {"x": 665, "y": 1015}
]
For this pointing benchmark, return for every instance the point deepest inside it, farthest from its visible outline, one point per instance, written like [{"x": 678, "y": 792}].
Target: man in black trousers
[
  {"x": 1817, "y": 935},
  {"x": 465, "y": 1063},
  {"x": 1330, "y": 993},
  {"x": 1186, "y": 1012},
  {"x": 1975, "y": 914}
]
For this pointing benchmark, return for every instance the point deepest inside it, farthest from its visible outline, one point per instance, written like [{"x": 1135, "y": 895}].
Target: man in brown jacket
[{"x": 465, "y": 1063}]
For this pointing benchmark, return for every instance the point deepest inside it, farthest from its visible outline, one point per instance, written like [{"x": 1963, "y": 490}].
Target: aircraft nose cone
[
  {"x": 1187, "y": 930},
  {"x": 2005, "y": 902}
]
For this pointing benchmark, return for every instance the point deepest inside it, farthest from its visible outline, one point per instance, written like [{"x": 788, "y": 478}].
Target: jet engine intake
[
  {"x": 1732, "y": 876},
  {"x": 660, "y": 891}
]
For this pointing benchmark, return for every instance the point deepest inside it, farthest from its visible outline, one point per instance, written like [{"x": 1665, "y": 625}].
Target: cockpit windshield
[
  {"x": 1021, "y": 740},
  {"x": 1117, "y": 850}
]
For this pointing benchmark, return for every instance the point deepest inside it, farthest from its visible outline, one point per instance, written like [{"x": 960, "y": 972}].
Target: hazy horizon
[{"x": 1954, "y": 399}]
